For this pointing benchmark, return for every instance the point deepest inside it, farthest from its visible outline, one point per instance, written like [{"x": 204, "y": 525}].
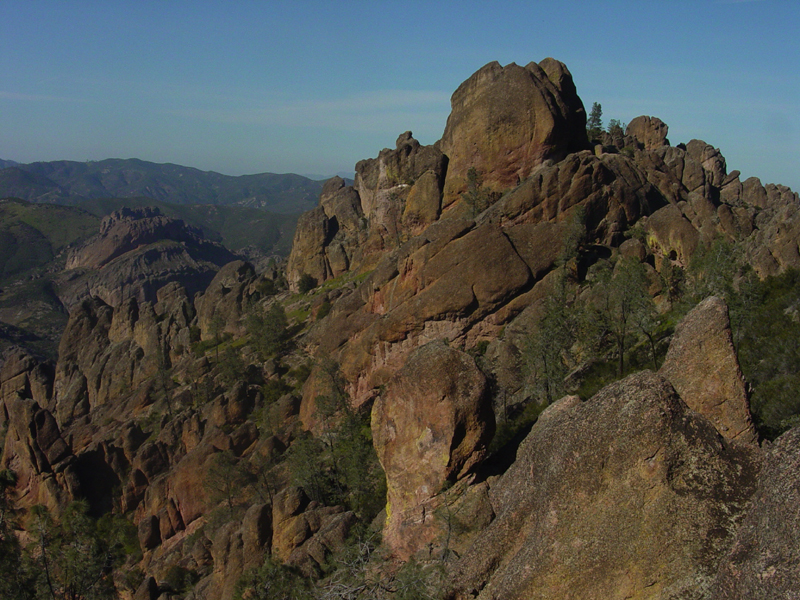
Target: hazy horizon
[{"x": 314, "y": 87}]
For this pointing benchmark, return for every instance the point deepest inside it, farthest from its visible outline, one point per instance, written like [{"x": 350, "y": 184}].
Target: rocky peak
[
  {"x": 702, "y": 367},
  {"x": 136, "y": 252},
  {"x": 647, "y": 133},
  {"x": 127, "y": 229},
  {"x": 507, "y": 120}
]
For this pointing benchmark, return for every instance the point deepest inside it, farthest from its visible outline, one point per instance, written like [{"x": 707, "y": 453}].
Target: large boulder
[
  {"x": 702, "y": 366},
  {"x": 507, "y": 120},
  {"x": 648, "y": 133},
  {"x": 628, "y": 495},
  {"x": 431, "y": 427},
  {"x": 221, "y": 307},
  {"x": 764, "y": 561}
]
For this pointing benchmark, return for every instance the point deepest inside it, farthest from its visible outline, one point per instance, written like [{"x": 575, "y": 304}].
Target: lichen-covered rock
[
  {"x": 430, "y": 428},
  {"x": 507, "y": 120},
  {"x": 669, "y": 234},
  {"x": 764, "y": 561},
  {"x": 628, "y": 495},
  {"x": 701, "y": 365}
]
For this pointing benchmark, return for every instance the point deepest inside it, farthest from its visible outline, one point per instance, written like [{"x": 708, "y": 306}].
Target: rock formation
[
  {"x": 763, "y": 561},
  {"x": 653, "y": 488},
  {"x": 627, "y": 495},
  {"x": 137, "y": 252},
  {"x": 505, "y": 121},
  {"x": 647, "y": 133},
  {"x": 702, "y": 367},
  {"x": 429, "y": 430}
]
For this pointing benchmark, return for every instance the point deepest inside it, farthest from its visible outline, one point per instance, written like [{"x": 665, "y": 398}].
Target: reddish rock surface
[
  {"x": 507, "y": 120},
  {"x": 429, "y": 429}
]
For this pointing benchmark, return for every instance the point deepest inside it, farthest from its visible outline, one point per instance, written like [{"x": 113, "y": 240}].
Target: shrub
[
  {"x": 180, "y": 579},
  {"x": 306, "y": 283},
  {"x": 323, "y": 310}
]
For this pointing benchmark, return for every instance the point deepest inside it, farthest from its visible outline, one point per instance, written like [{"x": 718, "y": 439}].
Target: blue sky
[{"x": 313, "y": 87}]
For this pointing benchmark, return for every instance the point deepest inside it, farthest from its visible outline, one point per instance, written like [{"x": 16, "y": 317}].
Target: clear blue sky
[{"x": 313, "y": 87}]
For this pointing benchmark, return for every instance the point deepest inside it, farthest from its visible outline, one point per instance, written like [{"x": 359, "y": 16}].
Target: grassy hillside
[{"x": 31, "y": 235}]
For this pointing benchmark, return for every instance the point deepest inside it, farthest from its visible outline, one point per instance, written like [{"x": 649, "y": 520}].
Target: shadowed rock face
[
  {"x": 507, "y": 120},
  {"x": 764, "y": 561},
  {"x": 628, "y": 495}
]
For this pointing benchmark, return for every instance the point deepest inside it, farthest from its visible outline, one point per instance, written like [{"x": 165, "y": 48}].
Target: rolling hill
[{"x": 71, "y": 182}]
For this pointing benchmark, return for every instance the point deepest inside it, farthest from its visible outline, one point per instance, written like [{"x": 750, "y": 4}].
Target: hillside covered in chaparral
[{"x": 529, "y": 361}]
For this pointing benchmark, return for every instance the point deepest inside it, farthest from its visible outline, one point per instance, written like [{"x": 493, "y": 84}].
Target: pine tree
[{"x": 594, "y": 124}]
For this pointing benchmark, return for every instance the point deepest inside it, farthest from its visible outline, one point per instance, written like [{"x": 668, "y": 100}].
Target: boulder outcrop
[
  {"x": 701, "y": 365},
  {"x": 648, "y": 133},
  {"x": 764, "y": 560},
  {"x": 431, "y": 427},
  {"x": 395, "y": 196},
  {"x": 221, "y": 307},
  {"x": 628, "y": 495},
  {"x": 505, "y": 121}
]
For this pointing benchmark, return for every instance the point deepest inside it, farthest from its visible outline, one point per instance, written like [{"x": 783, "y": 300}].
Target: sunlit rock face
[
  {"x": 432, "y": 426},
  {"x": 505, "y": 121}
]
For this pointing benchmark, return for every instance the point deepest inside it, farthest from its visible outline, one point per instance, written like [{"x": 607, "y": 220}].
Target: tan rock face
[
  {"x": 701, "y": 365},
  {"x": 25, "y": 376},
  {"x": 627, "y": 495},
  {"x": 648, "y": 132},
  {"x": 104, "y": 354},
  {"x": 308, "y": 248},
  {"x": 126, "y": 230},
  {"x": 392, "y": 172},
  {"x": 436, "y": 291},
  {"x": 507, "y": 120},
  {"x": 431, "y": 427},
  {"x": 394, "y": 197}
]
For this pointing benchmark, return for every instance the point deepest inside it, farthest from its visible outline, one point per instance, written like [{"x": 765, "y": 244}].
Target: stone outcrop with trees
[{"x": 518, "y": 363}]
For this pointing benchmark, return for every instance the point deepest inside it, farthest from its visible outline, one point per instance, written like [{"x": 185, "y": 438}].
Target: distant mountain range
[{"x": 71, "y": 183}]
